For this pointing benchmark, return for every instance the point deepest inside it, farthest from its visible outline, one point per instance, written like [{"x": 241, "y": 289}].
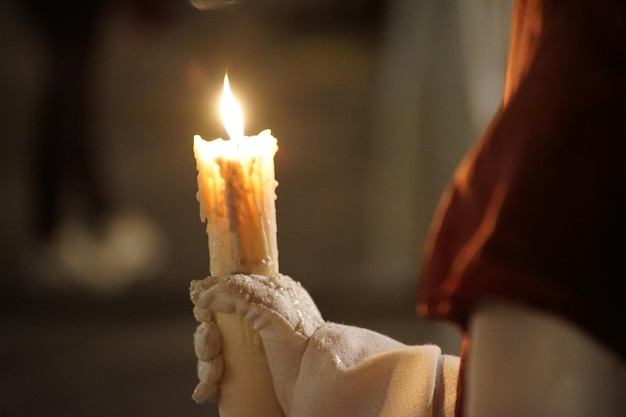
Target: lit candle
[{"x": 236, "y": 192}]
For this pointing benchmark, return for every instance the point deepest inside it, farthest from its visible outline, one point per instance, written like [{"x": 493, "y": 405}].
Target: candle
[{"x": 236, "y": 192}]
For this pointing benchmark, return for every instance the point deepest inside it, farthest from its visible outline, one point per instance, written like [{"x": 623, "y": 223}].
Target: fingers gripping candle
[{"x": 236, "y": 192}]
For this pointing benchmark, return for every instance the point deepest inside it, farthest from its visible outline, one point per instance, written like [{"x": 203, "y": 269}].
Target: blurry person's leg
[{"x": 65, "y": 158}]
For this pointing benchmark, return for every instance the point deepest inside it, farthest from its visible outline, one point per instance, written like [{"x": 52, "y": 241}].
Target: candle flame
[{"x": 232, "y": 116}]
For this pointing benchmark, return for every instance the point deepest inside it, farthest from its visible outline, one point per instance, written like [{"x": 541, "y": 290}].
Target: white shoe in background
[{"x": 130, "y": 248}]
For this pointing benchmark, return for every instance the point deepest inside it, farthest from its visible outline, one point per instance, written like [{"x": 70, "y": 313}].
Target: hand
[
  {"x": 280, "y": 310},
  {"x": 320, "y": 368}
]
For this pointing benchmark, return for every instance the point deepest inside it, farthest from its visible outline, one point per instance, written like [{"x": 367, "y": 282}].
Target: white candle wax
[{"x": 236, "y": 191}]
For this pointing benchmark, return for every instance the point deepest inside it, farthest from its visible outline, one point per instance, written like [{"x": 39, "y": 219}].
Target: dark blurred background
[{"x": 373, "y": 103}]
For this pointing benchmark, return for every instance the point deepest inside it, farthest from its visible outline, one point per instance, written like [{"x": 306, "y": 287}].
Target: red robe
[{"x": 536, "y": 212}]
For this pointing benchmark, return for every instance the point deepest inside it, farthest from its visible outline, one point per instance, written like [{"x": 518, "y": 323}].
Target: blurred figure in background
[
  {"x": 440, "y": 81},
  {"x": 84, "y": 241}
]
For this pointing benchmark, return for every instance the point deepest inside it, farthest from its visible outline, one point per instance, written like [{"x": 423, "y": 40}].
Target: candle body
[{"x": 236, "y": 192}]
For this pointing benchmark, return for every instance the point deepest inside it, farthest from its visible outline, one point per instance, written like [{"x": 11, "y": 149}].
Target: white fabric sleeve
[
  {"x": 319, "y": 368},
  {"x": 349, "y": 371}
]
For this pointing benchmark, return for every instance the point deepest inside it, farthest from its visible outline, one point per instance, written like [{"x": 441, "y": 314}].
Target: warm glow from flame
[{"x": 232, "y": 116}]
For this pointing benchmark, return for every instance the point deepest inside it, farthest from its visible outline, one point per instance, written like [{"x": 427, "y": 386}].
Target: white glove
[{"x": 320, "y": 368}]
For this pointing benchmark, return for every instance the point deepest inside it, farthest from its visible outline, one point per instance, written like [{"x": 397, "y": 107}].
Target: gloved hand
[{"x": 320, "y": 368}]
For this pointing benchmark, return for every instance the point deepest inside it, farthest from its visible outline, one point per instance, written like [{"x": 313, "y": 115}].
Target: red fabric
[{"x": 536, "y": 213}]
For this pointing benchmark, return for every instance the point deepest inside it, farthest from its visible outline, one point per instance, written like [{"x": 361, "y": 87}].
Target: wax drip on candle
[{"x": 232, "y": 116}]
